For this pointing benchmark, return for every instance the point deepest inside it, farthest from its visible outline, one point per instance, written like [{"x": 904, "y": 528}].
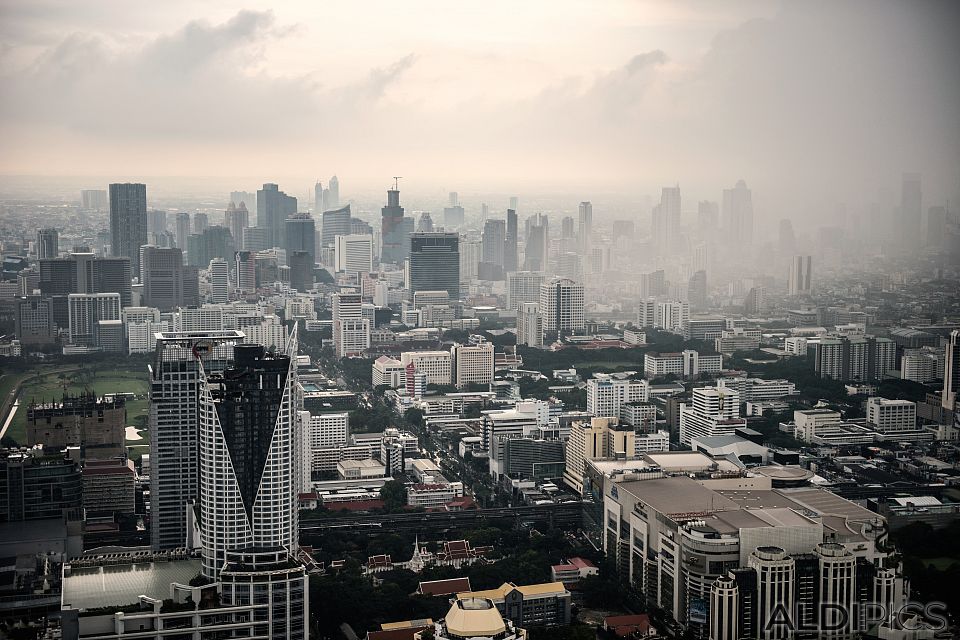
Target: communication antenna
[{"x": 395, "y": 179}]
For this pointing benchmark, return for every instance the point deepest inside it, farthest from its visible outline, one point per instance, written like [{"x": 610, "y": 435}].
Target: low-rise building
[{"x": 534, "y": 605}]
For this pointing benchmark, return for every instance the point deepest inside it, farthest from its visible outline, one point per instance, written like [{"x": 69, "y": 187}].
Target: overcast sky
[{"x": 807, "y": 101}]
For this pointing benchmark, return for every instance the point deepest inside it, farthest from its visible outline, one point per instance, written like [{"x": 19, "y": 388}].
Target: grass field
[{"x": 51, "y": 384}]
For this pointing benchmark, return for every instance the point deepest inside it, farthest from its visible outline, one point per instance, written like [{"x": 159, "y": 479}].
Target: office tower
[
  {"x": 183, "y": 230},
  {"x": 936, "y": 226},
  {"x": 951, "y": 373},
  {"x": 538, "y": 242},
  {"x": 472, "y": 363},
  {"x": 214, "y": 242},
  {"x": 161, "y": 274},
  {"x": 301, "y": 271},
  {"x": 218, "y": 273},
  {"x": 333, "y": 193},
  {"x": 567, "y": 227},
  {"x": 394, "y": 230},
  {"x": 738, "y": 214},
  {"x": 318, "y": 197},
  {"x": 425, "y": 223},
  {"x": 85, "y": 273},
  {"x": 200, "y": 222},
  {"x": 128, "y": 221},
  {"x": 434, "y": 263},
  {"x": 87, "y": 314},
  {"x": 523, "y": 286},
  {"x": 301, "y": 235},
  {"x": 93, "y": 199},
  {"x": 181, "y": 364},
  {"x": 568, "y": 265},
  {"x": 510, "y": 258},
  {"x": 33, "y": 318},
  {"x": 697, "y": 290},
  {"x": 529, "y": 325},
  {"x": 156, "y": 223},
  {"x": 246, "y": 273},
  {"x": 250, "y": 452},
  {"x": 34, "y": 486},
  {"x": 245, "y": 198},
  {"x": 236, "y": 218},
  {"x": 561, "y": 305},
  {"x": 836, "y": 586},
  {"x": 48, "y": 243},
  {"x": 585, "y": 227},
  {"x": 724, "y": 609},
  {"x": 360, "y": 227},
  {"x": 911, "y": 215},
  {"x": 787, "y": 240},
  {"x": 775, "y": 589},
  {"x": 666, "y": 221},
  {"x": 351, "y": 331},
  {"x": 494, "y": 241},
  {"x": 453, "y": 212},
  {"x": 335, "y": 222},
  {"x": 801, "y": 269},
  {"x": 514, "y": 202},
  {"x": 708, "y": 218},
  {"x": 273, "y": 207},
  {"x": 471, "y": 252},
  {"x": 354, "y": 253}
]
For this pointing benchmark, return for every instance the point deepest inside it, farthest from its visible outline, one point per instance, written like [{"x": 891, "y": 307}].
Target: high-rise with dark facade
[
  {"x": 273, "y": 207},
  {"x": 301, "y": 270},
  {"x": 48, "y": 243},
  {"x": 434, "y": 263},
  {"x": 36, "y": 485},
  {"x": 301, "y": 235},
  {"x": 161, "y": 273},
  {"x": 336, "y": 222},
  {"x": 395, "y": 230},
  {"x": 510, "y": 258},
  {"x": 128, "y": 221}
]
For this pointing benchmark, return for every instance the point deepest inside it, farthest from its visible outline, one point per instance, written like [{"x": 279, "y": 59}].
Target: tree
[
  {"x": 414, "y": 416},
  {"x": 394, "y": 495}
]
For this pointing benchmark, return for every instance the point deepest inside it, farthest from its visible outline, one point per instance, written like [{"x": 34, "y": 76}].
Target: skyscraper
[
  {"x": 351, "y": 331},
  {"x": 336, "y": 222},
  {"x": 567, "y": 227},
  {"x": 161, "y": 274},
  {"x": 434, "y": 263},
  {"x": 425, "y": 223},
  {"x": 738, "y": 214},
  {"x": 183, "y": 230},
  {"x": 200, "y": 222},
  {"x": 666, "y": 221},
  {"x": 301, "y": 235},
  {"x": 250, "y": 454},
  {"x": 218, "y": 273},
  {"x": 236, "y": 218},
  {"x": 951, "y": 375},
  {"x": 510, "y": 257},
  {"x": 354, "y": 253},
  {"x": 787, "y": 240},
  {"x": 585, "y": 227},
  {"x": 561, "y": 307},
  {"x": 538, "y": 242},
  {"x": 273, "y": 207},
  {"x": 333, "y": 193},
  {"x": 318, "y": 203},
  {"x": 301, "y": 270},
  {"x": 494, "y": 241},
  {"x": 93, "y": 199},
  {"x": 246, "y": 271},
  {"x": 453, "y": 212},
  {"x": 178, "y": 374},
  {"x": 911, "y": 220},
  {"x": 801, "y": 269},
  {"x": 128, "y": 221},
  {"x": 394, "y": 230},
  {"x": 48, "y": 243},
  {"x": 697, "y": 290}
]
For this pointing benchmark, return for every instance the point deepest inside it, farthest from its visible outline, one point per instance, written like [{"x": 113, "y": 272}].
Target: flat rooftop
[
  {"x": 122, "y": 585},
  {"x": 678, "y": 494}
]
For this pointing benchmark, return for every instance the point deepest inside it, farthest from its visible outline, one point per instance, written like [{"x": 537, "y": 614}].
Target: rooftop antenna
[{"x": 395, "y": 179}]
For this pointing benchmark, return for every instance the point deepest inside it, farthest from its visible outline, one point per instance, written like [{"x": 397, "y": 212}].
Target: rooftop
[{"x": 121, "y": 585}]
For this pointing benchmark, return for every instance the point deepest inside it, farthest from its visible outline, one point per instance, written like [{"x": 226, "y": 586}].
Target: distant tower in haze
[
  {"x": 911, "y": 220},
  {"x": 453, "y": 212},
  {"x": 494, "y": 241},
  {"x": 510, "y": 257},
  {"x": 335, "y": 222},
  {"x": 514, "y": 201},
  {"x": 567, "y": 227},
  {"x": 273, "y": 208},
  {"x": 128, "y": 221},
  {"x": 708, "y": 218},
  {"x": 395, "y": 229},
  {"x": 585, "y": 227},
  {"x": 666, "y": 221},
  {"x": 333, "y": 193},
  {"x": 183, "y": 230},
  {"x": 48, "y": 243},
  {"x": 425, "y": 224},
  {"x": 801, "y": 271},
  {"x": 318, "y": 204},
  {"x": 738, "y": 214},
  {"x": 236, "y": 219},
  {"x": 301, "y": 235},
  {"x": 787, "y": 241},
  {"x": 200, "y": 223}
]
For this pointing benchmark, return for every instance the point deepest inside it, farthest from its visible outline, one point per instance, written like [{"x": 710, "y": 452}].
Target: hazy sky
[{"x": 806, "y": 101}]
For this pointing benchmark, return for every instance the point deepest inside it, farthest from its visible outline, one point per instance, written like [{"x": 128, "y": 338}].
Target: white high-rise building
[
  {"x": 838, "y": 568},
  {"x": 471, "y": 252},
  {"x": 473, "y": 363},
  {"x": 776, "y": 578},
  {"x": 86, "y": 311},
  {"x": 606, "y": 396},
  {"x": 324, "y": 431},
  {"x": 561, "y": 307},
  {"x": 714, "y": 411},
  {"x": 250, "y": 455},
  {"x": 436, "y": 365},
  {"x": 218, "y": 273},
  {"x": 523, "y": 286},
  {"x": 529, "y": 325},
  {"x": 354, "y": 253},
  {"x": 351, "y": 331},
  {"x": 801, "y": 271}
]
